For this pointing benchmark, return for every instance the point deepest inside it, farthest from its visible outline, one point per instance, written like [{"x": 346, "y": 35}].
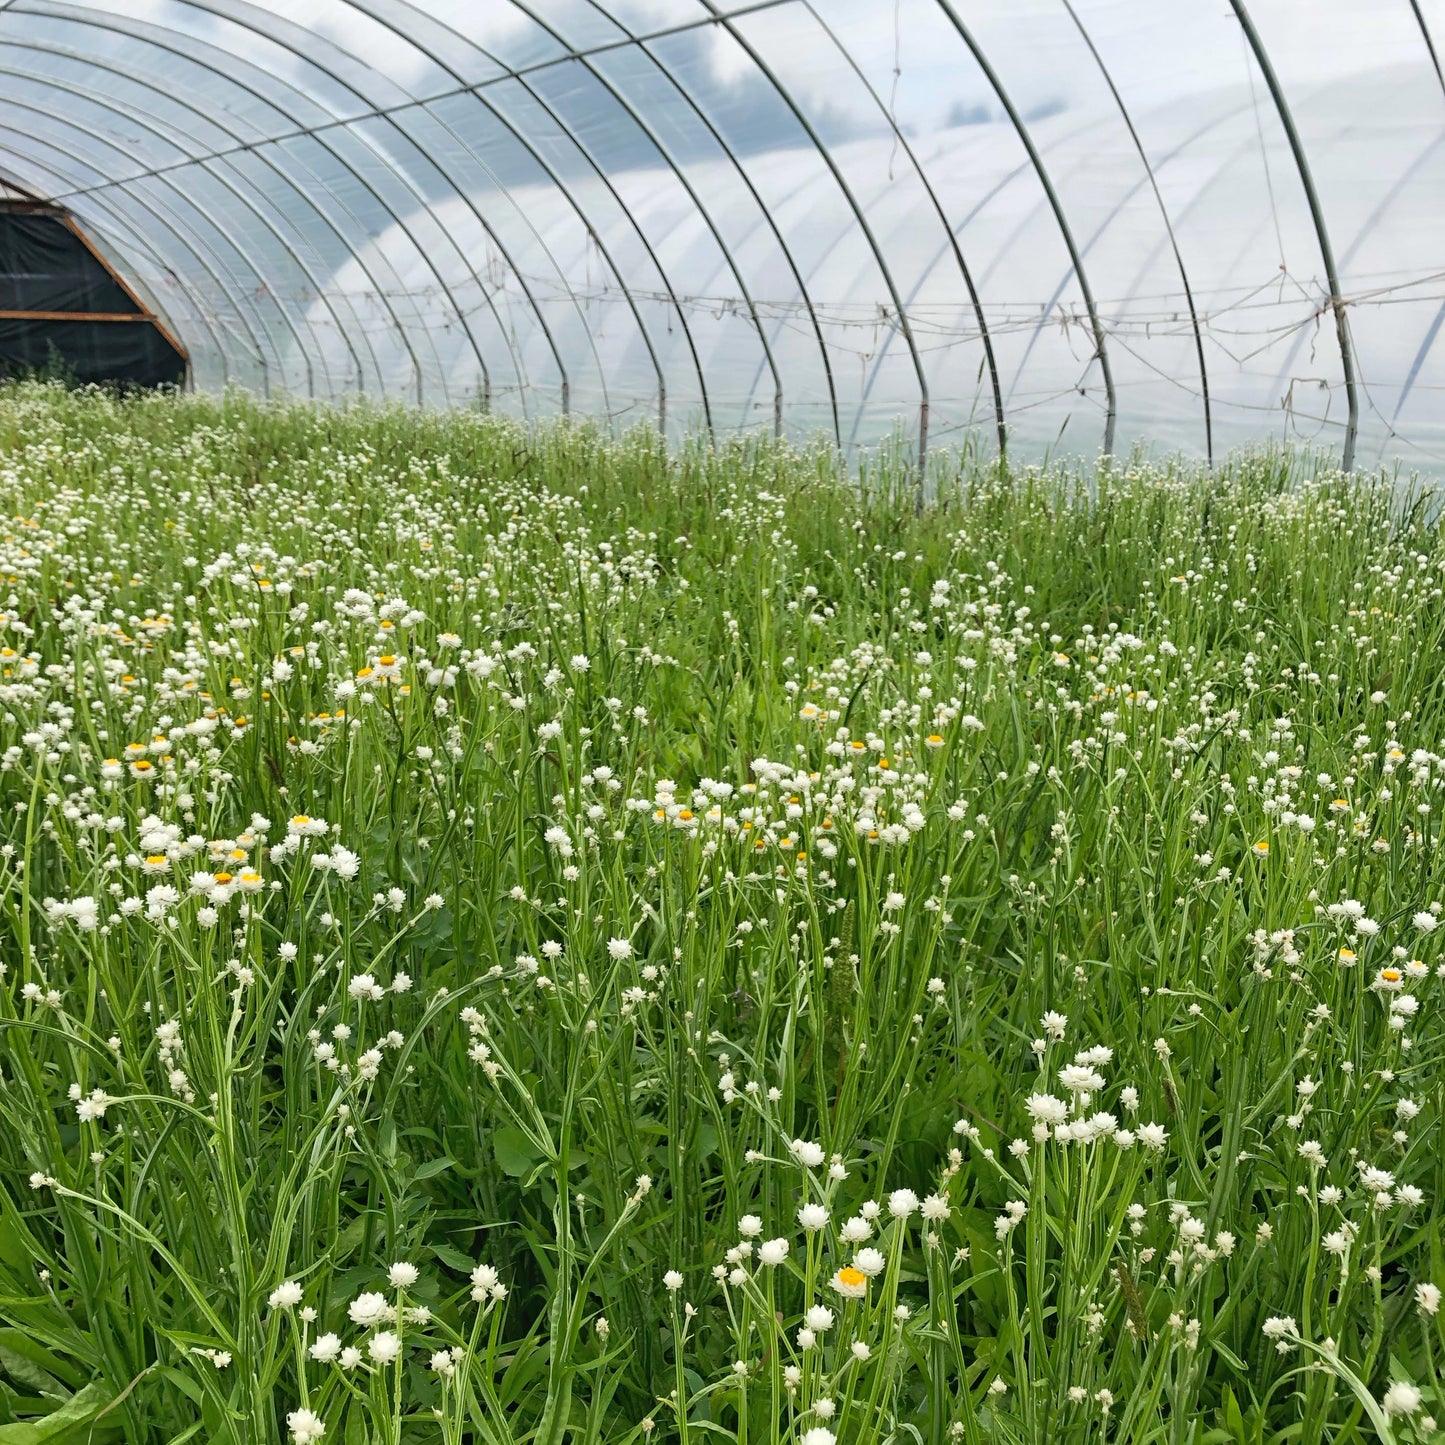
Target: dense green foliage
[{"x": 517, "y": 936}]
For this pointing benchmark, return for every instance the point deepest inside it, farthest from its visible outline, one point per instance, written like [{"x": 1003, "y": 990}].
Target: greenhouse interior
[
  {"x": 722, "y": 722},
  {"x": 1058, "y": 226}
]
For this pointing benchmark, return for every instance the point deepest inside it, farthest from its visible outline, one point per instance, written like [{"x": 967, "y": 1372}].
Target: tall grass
[{"x": 512, "y": 935}]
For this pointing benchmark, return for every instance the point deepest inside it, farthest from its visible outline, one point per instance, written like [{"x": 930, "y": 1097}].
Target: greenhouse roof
[{"x": 1072, "y": 224}]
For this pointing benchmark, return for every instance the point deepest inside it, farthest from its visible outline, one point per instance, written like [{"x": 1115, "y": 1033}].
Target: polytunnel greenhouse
[
  {"x": 722, "y": 722},
  {"x": 1052, "y": 225}
]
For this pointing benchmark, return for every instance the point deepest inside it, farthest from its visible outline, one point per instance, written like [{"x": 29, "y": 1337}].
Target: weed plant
[{"x": 515, "y": 936}]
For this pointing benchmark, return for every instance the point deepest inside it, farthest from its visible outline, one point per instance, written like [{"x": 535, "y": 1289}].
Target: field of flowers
[{"x": 515, "y": 936}]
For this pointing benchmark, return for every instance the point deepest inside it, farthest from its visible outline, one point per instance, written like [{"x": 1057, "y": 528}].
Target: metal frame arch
[
  {"x": 727, "y": 22},
  {"x": 373, "y": 112},
  {"x": 1429, "y": 42},
  {"x": 1371, "y": 222},
  {"x": 1022, "y": 130},
  {"x": 1140, "y": 270},
  {"x": 766, "y": 213},
  {"x": 1337, "y": 301},
  {"x": 576, "y": 207},
  {"x": 522, "y": 280},
  {"x": 574, "y": 55},
  {"x": 207, "y": 163},
  {"x": 201, "y": 57},
  {"x": 565, "y": 191},
  {"x": 1168, "y": 225},
  {"x": 1000, "y": 185},
  {"x": 349, "y": 126},
  {"x": 230, "y": 286},
  {"x": 346, "y": 124},
  {"x": 1433, "y": 330},
  {"x": 642, "y": 236},
  {"x": 680, "y": 174},
  {"x": 425, "y": 107},
  {"x": 227, "y": 286},
  {"x": 967, "y": 275},
  {"x": 775, "y": 219},
  {"x": 116, "y": 108},
  {"x": 476, "y": 90}
]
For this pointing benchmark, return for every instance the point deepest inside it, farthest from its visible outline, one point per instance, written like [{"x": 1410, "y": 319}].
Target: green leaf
[
  {"x": 1229, "y": 1358},
  {"x": 453, "y": 1258},
  {"x": 61, "y": 1427},
  {"x": 433, "y": 1167},
  {"x": 515, "y": 1153},
  {"x": 29, "y": 1363},
  {"x": 188, "y": 1386}
]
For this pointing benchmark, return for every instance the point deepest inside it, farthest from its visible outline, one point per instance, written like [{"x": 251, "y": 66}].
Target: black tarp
[
  {"x": 46, "y": 266},
  {"x": 131, "y": 352}
]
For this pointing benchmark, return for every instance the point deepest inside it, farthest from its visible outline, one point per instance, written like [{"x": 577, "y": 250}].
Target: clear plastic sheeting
[{"x": 1058, "y": 225}]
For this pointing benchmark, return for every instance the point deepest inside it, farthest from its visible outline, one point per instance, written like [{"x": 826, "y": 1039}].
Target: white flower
[
  {"x": 1427, "y": 1298},
  {"x": 935, "y": 1208},
  {"x": 869, "y": 1262},
  {"x": 812, "y": 1217},
  {"x": 855, "y": 1230},
  {"x": 383, "y": 1347},
  {"x": 285, "y": 1296},
  {"x": 1046, "y": 1109},
  {"x": 344, "y": 863},
  {"x": 368, "y": 1310},
  {"x": 1402, "y": 1398},
  {"x": 750, "y": 1226},
  {"x": 1081, "y": 1079},
  {"x": 819, "y": 1435},
  {"x": 1425, "y": 921},
  {"x": 485, "y": 1284},
  {"x": 1152, "y": 1136},
  {"x": 402, "y": 1276},
  {"x": 326, "y": 1348},
  {"x": 1283, "y": 1330},
  {"x": 619, "y": 948},
  {"x": 902, "y": 1203},
  {"x": 773, "y": 1251},
  {"x": 305, "y": 1426},
  {"x": 807, "y": 1154},
  {"x": 673, "y": 1280},
  {"x": 819, "y": 1318}
]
